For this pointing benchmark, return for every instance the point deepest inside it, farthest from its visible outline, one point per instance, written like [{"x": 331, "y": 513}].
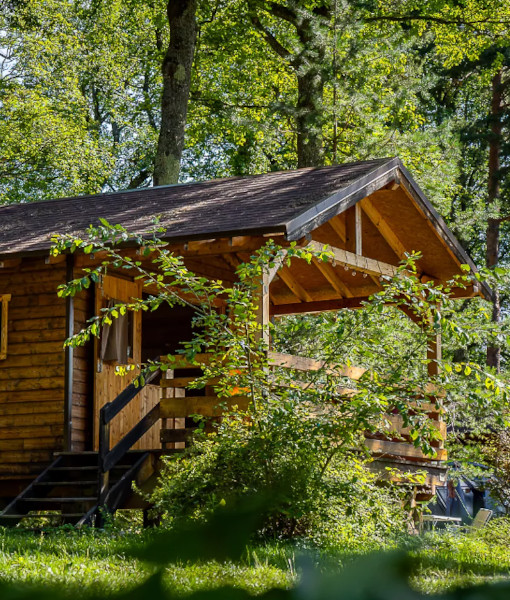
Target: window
[{"x": 4, "y": 303}]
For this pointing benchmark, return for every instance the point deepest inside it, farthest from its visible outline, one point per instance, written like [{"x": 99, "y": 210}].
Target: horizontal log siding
[
  {"x": 32, "y": 376},
  {"x": 83, "y": 371}
]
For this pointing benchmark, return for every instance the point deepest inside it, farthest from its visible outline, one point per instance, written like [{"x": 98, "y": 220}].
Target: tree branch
[
  {"x": 432, "y": 19},
  {"x": 271, "y": 40}
]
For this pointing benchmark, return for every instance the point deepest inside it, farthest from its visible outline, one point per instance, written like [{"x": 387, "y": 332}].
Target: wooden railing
[
  {"x": 394, "y": 443},
  {"x": 109, "y": 458}
]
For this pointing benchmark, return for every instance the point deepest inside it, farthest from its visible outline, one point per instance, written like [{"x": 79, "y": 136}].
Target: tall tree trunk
[
  {"x": 176, "y": 69},
  {"x": 309, "y": 115},
  {"x": 308, "y": 65},
  {"x": 493, "y": 225}
]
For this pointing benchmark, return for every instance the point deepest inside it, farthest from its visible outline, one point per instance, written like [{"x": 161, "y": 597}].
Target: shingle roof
[{"x": 275, "y": 202}]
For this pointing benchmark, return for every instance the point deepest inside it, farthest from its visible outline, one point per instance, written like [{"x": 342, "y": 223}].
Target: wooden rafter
[
  {"x": 338, "y": 226},
  {"x": 232, "y": 260},
  {"x": 384, "y": 228},
  {"x": 331, "y": 276},
  {"x": 356, "y": 262},
  {"x": 296, "y": 288}
]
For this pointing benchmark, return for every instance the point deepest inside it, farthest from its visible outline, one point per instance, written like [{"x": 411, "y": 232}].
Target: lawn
[{"x": 89, "y": 562}]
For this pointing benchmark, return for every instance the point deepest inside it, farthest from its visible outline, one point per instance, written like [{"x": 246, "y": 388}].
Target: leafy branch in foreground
[{"x": 282, "y": 427}]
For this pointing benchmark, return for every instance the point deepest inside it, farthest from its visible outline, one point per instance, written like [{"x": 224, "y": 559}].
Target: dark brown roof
[{"x": 275, "y": 202}]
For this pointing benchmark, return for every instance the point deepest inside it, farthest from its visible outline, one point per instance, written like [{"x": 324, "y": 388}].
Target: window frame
[{"x": 4, "y": 324}]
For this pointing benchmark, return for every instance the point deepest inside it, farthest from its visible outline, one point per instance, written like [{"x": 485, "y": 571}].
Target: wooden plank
[
  {"x": 32, "y": 395},
  {"x": 302, "y": 363},
  {"x": 358, "y": 229},
  {"x": 207, "y": 406},
  {"x": 176, "y": 436},
  {"x": 29, "y": 456},
  {"x": 404, "y": 450},
  {"x": 318, "y": 306},
  {"x": 38, "y": 324},
  {"x": 4, "y": 325},
  {"x": 45, "y": 335},
  {"x": 43, "y": 383},
  {"x": 332, "y": 277},
  {"x": 261, "y": 300},
  {"x": 183, "y": 382},
  {"x": 31, "y": 431},
  {"x": 356, "y": 262},
  {"x": 10, "y": 263},
  {"x": 396, "y": 423},
  {"x": 31, "y": 372}
]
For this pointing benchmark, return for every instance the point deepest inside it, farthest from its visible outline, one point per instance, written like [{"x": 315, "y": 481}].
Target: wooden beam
[
  {"x": 434, "y": 354},
  {"x": 358, "y": 230},
  {"x": 55, "y": 260},
  {"x": 338, "y": 226},
  {"x": 356, "y": 262},
  {"x": 317, "y": 306},
  {"x": 207, "y": 406},
  {"x": 278, "y": 263},
  {"x": 383, "y": 227},
  {"x": 295, "y": 287},
  {"x": 10, "y": 263},
  {"x": 331, "y": 276},
  {"x": 232, "y": 260},
  {"x": 303, "y": 363},
  {"x": 402, "y": 449}
]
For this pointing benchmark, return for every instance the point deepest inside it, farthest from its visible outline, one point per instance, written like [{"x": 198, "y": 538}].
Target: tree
[{"x": 176, "y": 71}]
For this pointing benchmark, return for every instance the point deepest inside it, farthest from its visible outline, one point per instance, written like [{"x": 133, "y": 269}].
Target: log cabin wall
[{"x": 32, "y": 377}]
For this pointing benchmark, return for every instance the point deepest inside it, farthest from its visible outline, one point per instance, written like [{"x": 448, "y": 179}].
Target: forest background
[{"x": 100, "y": 95}]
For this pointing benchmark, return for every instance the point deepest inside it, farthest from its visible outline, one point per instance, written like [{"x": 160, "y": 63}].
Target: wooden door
[{"x": 107, "y": 383}]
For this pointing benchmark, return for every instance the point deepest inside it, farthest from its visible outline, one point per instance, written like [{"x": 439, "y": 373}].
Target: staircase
[{"x": 67, "y": 490}]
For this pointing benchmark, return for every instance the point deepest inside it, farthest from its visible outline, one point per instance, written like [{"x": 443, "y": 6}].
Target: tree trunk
[
  {"x": 493, "y": 225},
  {"x": 309, "y": 113},
  {"x": 176, "y": 70}
]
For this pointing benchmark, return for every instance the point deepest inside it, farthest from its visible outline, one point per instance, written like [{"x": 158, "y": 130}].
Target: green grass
[
  {"x": 451, "y": 559},
  {"x": 88, "y": 561}
]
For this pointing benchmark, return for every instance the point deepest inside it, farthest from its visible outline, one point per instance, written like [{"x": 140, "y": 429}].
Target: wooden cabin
[{"x": 51, "y": 424}]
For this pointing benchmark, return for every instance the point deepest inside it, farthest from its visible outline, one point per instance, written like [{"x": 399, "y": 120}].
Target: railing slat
[{"x": 128, "y": 441}]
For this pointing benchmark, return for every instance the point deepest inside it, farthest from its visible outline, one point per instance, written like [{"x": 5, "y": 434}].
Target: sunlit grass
[{"x": 88, "y": 561}]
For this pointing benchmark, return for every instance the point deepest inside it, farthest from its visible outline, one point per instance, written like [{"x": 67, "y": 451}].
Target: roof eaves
[
  {"x": 440, "y": 225},
  {"x": 340, "y": 201}
]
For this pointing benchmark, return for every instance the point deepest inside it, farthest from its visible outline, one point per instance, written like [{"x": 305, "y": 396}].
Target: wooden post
[
  {"x": 103, "y": 476},
  {"x": 434, "y": 354},
  {"x": 353, "y": 229},
  {"x": 263, "y": 309}
]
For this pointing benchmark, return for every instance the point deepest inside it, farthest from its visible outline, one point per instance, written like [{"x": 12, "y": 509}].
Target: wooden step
[
  {"x": 50, "y": 515},
  {"x": 65, "y": 483},
  {"x": 60, "y": 499}
]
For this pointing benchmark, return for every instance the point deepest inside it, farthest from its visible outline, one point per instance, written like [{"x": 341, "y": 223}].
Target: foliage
[{"x": 496, "y": 455}]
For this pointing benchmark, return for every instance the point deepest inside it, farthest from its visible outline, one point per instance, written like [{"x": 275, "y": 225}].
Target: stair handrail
[{"x": 108, "y": 458}]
